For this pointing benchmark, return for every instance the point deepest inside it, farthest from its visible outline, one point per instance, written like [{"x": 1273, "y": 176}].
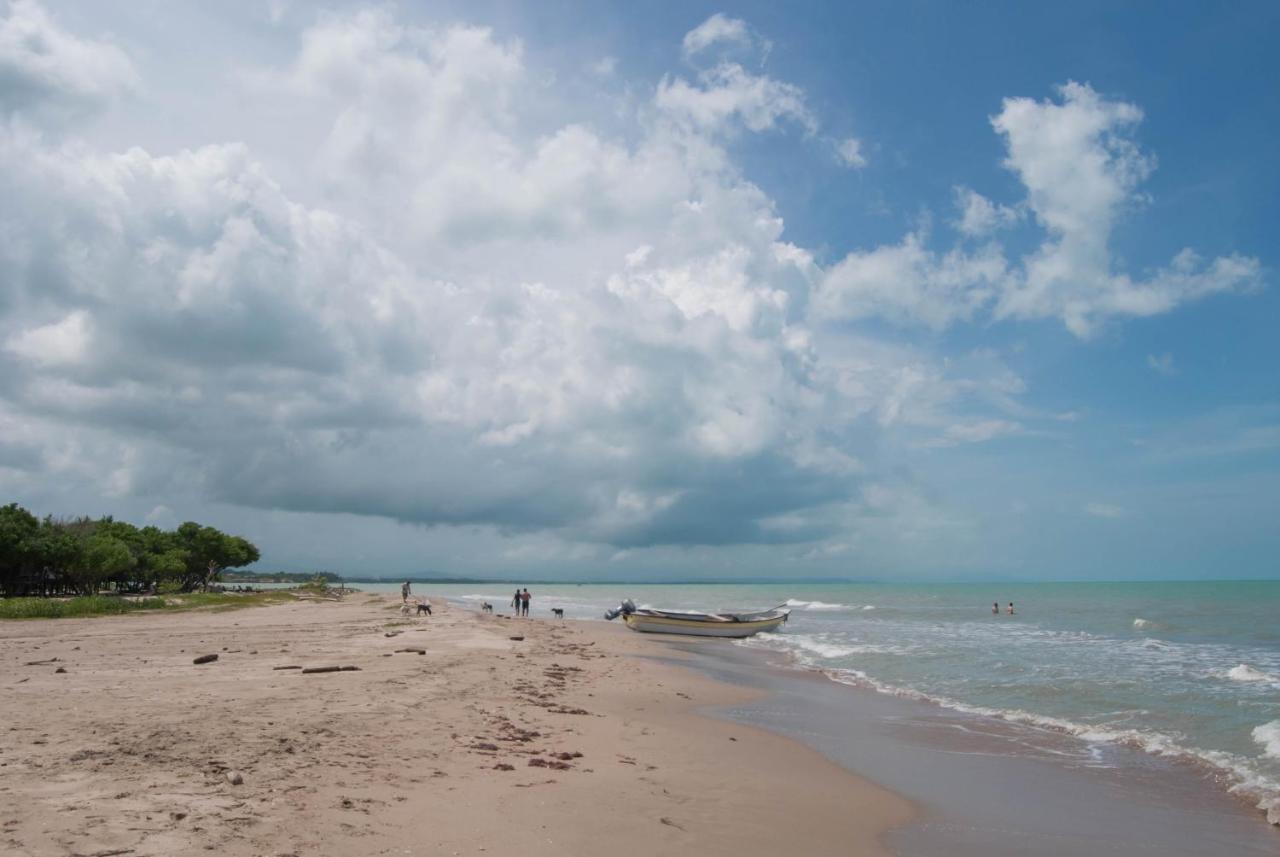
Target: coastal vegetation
[
  {"x": 85, "y": 556},
  {"x": 106, "y": 605},
  {"x": 280, "y": 577}
]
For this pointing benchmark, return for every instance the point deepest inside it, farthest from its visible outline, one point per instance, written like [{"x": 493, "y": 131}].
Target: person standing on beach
[
  {"x": 404, "y": 593},
  {"x": 524, "y": 602},
  {"x": 515, "y": 602}
]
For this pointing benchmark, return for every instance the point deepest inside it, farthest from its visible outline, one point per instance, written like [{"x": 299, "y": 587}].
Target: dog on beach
[
  {"x": 406, "y": 609},
  {"x": 558, "y": 612},
  {"x": 486, "y": 607}
]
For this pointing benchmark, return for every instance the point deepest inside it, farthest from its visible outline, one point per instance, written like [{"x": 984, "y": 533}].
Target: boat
[{"x": 695, "y": 624}]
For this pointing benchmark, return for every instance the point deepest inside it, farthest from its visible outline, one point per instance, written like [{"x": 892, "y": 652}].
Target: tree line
[{"x": 82, "y": 556}]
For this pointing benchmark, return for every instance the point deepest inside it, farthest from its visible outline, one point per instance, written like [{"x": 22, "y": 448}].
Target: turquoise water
[{"x": 1184, "y": 669}]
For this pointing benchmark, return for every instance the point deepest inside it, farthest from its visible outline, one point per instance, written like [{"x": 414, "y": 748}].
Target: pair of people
[
  {"x": 995, "y": 608},
  {"x": 520, "y": 602}
]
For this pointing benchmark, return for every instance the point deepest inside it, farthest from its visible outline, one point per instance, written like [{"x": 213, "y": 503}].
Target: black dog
[
  {"x": 486, "y": 607},
  {"x": 558, "y": 612}
]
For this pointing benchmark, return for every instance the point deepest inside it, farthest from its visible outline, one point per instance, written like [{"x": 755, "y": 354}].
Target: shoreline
[
  {"x": 571, "y": 740},
  {"x": 986, "y": 786}
]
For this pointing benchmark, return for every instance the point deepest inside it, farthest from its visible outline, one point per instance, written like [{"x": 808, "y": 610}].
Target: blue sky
[{"x": 910, "y": 290}]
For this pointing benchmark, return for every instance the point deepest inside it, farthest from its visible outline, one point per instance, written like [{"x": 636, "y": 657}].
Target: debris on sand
[
  {"x": 334, "y": 669},
  {"x": 205, "y": 659}
]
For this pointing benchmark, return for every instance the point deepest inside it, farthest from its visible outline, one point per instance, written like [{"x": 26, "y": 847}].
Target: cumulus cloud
[
  {"x": 729, "y": 93},
  {"x": 466, "y": 314},
  {"x": 980, "y": 216},
  {"x": 909, "y": 284},
  {"x": 46, "y": 70},
  {"x": 483, "y": 325},
  {"x": 1081, "y": 169}
]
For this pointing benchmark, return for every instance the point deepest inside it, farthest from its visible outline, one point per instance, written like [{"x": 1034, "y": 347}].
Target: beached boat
[{"x": 692, "y": 623}]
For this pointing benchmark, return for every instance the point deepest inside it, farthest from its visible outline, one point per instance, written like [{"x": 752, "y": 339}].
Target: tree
[{"x": 19, "y": 530}]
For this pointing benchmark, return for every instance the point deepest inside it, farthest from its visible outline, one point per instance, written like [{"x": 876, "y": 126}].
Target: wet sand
[
  {"x": 989, "y": 787},
  {"x": 562, "y": 743}
]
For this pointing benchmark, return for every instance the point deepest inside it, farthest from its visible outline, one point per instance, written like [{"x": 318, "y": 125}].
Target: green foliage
[
  {"x": 84, "y": 556},
  {"x": 105, "y": 605}
]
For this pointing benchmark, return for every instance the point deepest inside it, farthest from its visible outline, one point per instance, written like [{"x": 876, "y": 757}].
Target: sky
[{"x": 890, "y": 291}]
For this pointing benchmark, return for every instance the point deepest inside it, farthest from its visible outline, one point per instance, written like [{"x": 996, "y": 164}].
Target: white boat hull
[{"x": 699, "y": 628}]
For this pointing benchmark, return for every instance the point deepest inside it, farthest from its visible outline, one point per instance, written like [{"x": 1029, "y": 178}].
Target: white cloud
[
  {"x": 604, "y": 67},
  {"x": 849, "y": 152},
  {"x": 477, "y": 305},
  {"x": 62, "y": 343},
  {"x": 909, "y": 284},
  {"x": 470, "y": 307},
  {"x": 1081, "y": 170},
  {"x": 46, "y": 70},
  {"x": 979, "y": 216},
  {"x": 718, "y": 29},
  {"x": 1162, "y": 363},
  {"x": 1104, "y": 510},
  {"x": 979, "y": 431},
  {"x": 728, "y": 92}
]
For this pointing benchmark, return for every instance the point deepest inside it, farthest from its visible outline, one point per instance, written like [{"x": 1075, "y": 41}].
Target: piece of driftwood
[
  {"x": 205, "y": 659},
  {"x": 290, "y": 667},
  {"x": 309, "y": 670},
  {"x": 411, "y": 651}
]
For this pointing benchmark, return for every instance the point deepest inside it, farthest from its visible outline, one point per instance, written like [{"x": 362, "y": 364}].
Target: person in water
[
  {"x": 515, "y": 602},
  {"x": 995, "y": 607},
  {"x": 1010, "y": 608}
]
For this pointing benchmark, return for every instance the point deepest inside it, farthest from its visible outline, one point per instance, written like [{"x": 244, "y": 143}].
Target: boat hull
[{"x": 697, "y": 628}]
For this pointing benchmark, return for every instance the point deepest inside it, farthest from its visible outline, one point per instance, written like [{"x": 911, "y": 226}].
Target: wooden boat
[{"x": 692, "y": 623}]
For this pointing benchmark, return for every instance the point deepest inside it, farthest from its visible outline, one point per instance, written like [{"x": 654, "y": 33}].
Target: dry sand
[{"x": 563, "y": 743}]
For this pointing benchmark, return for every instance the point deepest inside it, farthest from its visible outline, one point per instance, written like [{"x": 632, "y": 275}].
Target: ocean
[{"x": 1189, "y": 670}]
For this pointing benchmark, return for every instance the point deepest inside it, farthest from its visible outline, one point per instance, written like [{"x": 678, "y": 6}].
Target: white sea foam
[
  {"x": 815, "y": 605},
  {"x": 1244, "y": 672},
  {"x": 868, "y": 607},
  {"x": 1268, "y": 736},
  {"x": 1244, "y": 777},
  {"x": 1141, "y": 623}
]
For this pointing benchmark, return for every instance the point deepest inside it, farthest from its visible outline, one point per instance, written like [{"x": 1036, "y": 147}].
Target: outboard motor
[{"x": 625, "y": 608}]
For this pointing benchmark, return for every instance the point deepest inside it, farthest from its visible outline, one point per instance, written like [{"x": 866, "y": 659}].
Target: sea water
[{"x": 1190, "y": 670}]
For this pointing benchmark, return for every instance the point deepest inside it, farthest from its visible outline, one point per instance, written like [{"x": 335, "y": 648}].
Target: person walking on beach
[
  {"x": 404, "y": 592},
  {"x": 524, "y": 603},
  {"x": 515, "y": 602}
]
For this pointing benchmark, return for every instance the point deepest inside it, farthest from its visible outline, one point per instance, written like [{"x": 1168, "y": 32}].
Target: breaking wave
[
  {"x": 1268, "y": 736},
  {"x": 796, "y": 604},
  {"x": 1244, "y": 672}
]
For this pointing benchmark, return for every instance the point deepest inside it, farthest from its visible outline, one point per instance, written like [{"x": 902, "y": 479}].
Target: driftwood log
[
  {"x": 205, "y": 659},
  {"x": 309, "y": 670}
]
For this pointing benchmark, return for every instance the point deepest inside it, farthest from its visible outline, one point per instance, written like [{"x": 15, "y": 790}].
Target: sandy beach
[{"x": 572, "y": 740}]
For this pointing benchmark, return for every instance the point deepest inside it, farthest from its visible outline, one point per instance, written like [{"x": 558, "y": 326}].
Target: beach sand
[{"x": 573, "y": 740}]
